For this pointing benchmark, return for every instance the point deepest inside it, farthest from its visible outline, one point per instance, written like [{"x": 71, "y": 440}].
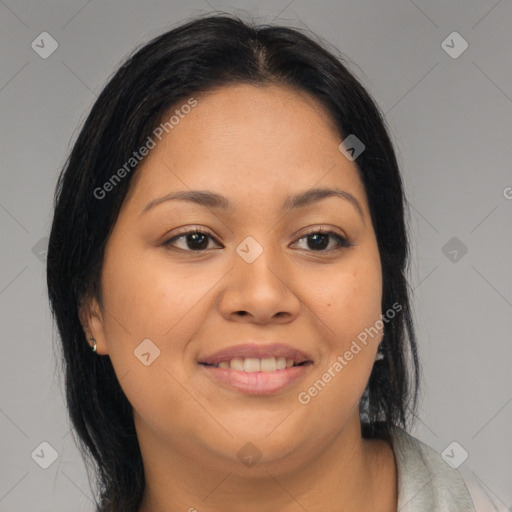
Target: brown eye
[
  {"x": 194, "y": 240},
  {"x": 319, "y": 240}
]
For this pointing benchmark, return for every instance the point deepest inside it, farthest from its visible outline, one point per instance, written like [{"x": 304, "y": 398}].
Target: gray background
[{"x": 450, "y": 119}]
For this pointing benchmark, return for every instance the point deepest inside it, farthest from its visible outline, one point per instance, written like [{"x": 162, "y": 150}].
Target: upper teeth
[{"x": 253, "y": 364}]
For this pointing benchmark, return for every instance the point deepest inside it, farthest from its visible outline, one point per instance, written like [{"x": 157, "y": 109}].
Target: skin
[{"x": 255, "y": 146}]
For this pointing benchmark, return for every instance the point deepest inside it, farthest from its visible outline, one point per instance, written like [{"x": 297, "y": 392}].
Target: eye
[
  {"x": 194, "y": 240},
  {"x": 319, "y": 239}
]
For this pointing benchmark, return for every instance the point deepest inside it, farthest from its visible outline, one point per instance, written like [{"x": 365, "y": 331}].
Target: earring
[
  {"x": 94, "y": 346},
  {"x": 379, "y": 354}
]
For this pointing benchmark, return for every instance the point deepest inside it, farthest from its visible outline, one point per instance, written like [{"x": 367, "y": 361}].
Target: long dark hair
[{"x": 205, "y": 53}]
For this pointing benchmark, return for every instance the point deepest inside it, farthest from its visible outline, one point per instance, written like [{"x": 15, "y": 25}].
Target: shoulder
[{"x": 425, "y": 481}]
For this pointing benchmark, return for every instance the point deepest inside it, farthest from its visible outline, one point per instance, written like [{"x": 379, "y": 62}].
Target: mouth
[
  {"x": 253, "y": 364},
  {"x": 257, "y": 357},
  {"x": 257, "y": 369}
]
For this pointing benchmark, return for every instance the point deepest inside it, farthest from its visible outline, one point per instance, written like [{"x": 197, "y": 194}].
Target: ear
[{"x": 92, "y": 320}]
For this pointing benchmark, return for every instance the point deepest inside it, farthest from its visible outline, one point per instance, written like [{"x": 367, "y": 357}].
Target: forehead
[{"x": 251, "y": 142}]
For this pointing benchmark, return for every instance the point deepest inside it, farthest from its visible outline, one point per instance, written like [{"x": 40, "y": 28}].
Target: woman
[{"x": 229, "y": 240}]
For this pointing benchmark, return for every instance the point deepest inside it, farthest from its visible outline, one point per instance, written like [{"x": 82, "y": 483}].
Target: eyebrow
[{"x": 213, "y": 200}]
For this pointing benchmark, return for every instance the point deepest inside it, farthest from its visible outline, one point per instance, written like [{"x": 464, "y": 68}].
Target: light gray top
[{"x": 426, "y": 483}]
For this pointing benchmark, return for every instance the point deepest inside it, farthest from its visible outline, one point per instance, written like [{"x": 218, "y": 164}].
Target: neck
[{"x": 358, "y": 473}]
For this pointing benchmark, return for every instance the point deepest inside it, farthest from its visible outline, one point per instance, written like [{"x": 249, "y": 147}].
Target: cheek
[
  {"x": 151, "y": 296},
  {"x": 348, "y": 310},
  {"x": 146, "y": 299},
  {"x": 359, "y": 303},
  {"x": 349, "y": 300}
]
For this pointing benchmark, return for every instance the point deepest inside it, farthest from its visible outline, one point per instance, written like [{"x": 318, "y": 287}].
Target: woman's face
[{"x": 256, "y": 276}]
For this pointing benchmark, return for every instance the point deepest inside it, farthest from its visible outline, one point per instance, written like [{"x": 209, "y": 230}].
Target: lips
[
  {"x": 257, "y": 351},
  {"x": 257, "y": 369}
]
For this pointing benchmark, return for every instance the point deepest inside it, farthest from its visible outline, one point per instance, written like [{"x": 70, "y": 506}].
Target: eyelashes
[
  {"x": 195, "y": 234},
  {"x": 342, "y": 242},
  {"x": 197, "y": 240}
]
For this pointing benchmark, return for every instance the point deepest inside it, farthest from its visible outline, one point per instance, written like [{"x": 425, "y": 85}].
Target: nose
[{"x": 260, "y": 292}]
